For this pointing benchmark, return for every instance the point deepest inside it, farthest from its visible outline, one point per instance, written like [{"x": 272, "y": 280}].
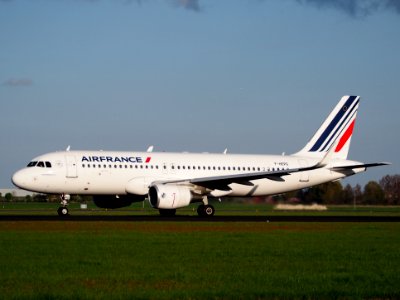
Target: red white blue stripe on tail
[{"x": 338, "y": 125}]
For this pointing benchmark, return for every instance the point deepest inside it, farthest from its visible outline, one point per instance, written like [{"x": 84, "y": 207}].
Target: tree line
[{"x": 384, "y": 192}]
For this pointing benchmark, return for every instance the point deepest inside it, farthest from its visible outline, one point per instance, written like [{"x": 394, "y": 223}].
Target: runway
[{"x": 155, "y": 218}]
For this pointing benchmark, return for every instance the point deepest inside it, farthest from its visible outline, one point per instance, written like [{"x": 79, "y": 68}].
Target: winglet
[{"x": 150, "y": 149}]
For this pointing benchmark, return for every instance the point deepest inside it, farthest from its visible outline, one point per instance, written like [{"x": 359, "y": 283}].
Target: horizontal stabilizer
[{"x": 359, "y": 166}]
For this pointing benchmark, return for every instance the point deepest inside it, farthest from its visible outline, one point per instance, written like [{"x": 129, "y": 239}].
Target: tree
[
  {"x": 332, "y": 192},
  {"x": 391, "y": 188},
  {"x": 358, "y": 195},
  {"x": 9, "y": 197},
  {"x": 348, "y": 195},
  {"x": 373, "y": 193}
]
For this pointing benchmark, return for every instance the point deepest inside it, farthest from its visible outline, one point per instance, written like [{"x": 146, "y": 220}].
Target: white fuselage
[{"x": 122, "y": 173}]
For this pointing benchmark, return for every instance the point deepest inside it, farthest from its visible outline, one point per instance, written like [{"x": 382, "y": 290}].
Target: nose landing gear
[{"x": 63, "y": 210}]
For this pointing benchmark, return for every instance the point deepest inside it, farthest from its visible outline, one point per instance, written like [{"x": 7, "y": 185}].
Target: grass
[{"x": 197, "y": 260}]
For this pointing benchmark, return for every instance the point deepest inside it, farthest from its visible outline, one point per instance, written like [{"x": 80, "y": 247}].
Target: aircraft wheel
[
  {"x": 167, "y": 212},
  {"x": 200, "y": 210},
  {"x": 62, "y": 211},
  {"x": 205, "y": 210},
  {"x": 209, "y": 210}
]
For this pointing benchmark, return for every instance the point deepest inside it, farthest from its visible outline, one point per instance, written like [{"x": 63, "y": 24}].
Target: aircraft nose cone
[{"x": 18, "y": 179}]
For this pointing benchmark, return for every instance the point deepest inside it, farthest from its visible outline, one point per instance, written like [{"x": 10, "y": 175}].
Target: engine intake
[{"x": 167, "y": 196}]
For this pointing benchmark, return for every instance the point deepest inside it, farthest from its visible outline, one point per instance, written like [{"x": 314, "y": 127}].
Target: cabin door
[{"x": 72, "y": 168}]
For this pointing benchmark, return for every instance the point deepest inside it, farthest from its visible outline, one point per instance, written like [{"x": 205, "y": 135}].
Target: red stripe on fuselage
[
  {"x": 148, "y": 159},
  {"x": 345, "y": 137}
]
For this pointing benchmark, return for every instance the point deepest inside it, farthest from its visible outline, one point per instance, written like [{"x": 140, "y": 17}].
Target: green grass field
[{"x": 198, "y": 260}]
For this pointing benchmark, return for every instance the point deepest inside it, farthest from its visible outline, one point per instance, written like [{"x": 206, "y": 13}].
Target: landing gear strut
[{"x": 63, "y": 210}]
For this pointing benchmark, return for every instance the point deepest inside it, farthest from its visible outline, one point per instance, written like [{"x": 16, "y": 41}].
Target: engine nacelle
[
  {"x": 110, "y": 201},
  {"x": 168, "y": 196}
]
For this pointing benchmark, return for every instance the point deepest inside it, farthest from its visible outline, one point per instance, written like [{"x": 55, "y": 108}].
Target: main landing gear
[
  {"x": 205, "y": 210},
  {"x": 63, "y": 210}
]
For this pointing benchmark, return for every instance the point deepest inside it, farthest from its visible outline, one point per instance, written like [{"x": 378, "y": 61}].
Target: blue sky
[{"x": 184, "y": 75}]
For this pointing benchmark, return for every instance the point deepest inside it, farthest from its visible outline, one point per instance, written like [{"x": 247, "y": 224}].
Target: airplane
[{"x": 175, "y": 180}]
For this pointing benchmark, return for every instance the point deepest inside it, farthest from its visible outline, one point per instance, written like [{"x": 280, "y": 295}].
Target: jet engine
[
  {"x": 166, "y": 196},
  {"x": 110, "y": 201}
]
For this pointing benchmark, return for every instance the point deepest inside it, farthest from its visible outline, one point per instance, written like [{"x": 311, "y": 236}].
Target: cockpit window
[
  {"x": 32, "y": 164},
  {"x": 40, "y": 164}
]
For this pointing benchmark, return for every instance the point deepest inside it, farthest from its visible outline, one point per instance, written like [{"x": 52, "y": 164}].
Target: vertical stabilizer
[{"x": 337, "y": 127}]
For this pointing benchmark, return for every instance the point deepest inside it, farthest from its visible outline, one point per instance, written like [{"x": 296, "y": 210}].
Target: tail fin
[{"x": 338, "y": 125}]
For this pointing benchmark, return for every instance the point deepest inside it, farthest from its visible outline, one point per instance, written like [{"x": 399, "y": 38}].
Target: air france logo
[{"x": 116, "y": 159}]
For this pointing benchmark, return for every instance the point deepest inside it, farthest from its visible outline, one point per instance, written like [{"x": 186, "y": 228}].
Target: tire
[
  {"x": 209, "y": 210},
  {"x": 63, "y": 211},
  {"x": 200, "y": 210},
  {"x": 205, "y": 210}
]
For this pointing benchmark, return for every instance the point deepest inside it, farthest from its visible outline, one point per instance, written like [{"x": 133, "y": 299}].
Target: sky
[{"x": 253, "y": 76}]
